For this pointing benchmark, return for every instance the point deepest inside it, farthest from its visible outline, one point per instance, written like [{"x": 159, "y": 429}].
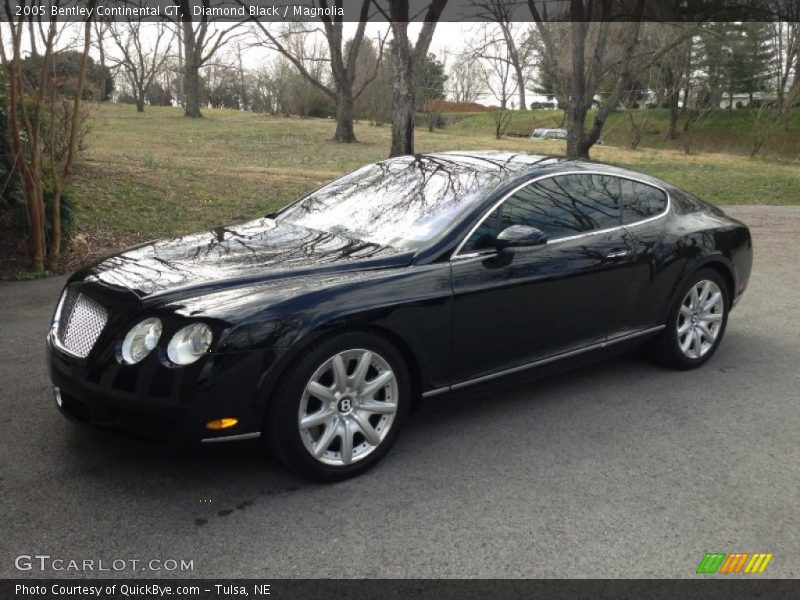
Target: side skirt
[{"x": 544, "y": 361}]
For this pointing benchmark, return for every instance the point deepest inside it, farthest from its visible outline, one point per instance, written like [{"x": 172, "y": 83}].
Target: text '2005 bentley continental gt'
[{"x": 316, "y": 328}]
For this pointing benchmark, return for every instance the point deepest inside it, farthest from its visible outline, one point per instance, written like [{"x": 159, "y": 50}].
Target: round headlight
[
  {"x": 141, "y": 339},
  {"x": 189, "y": 343}
]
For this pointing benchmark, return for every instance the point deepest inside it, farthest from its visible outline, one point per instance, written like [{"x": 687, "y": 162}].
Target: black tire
[
  {"x": 666, "y": 347},
  {"x": 282, "y": 432}
]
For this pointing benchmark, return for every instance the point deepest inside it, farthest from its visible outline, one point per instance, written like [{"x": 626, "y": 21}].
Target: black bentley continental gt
[{"x": 316, "y": 328}]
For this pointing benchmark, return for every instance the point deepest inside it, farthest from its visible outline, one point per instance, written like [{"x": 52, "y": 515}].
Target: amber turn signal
[{"x": 222, "y": 423}]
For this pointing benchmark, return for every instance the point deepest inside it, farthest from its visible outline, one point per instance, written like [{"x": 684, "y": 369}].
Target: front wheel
[
  {"x": 696, "y": 322},
  {"x": 339, "y": 409}
]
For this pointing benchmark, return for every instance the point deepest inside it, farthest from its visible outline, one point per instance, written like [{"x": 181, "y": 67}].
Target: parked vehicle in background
[
  {"x": 549, "y": 134},
  {"x": 555, "y": 133}
]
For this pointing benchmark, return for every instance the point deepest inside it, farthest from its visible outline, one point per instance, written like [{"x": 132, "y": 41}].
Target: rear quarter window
[{"x": 640, "y": 201}]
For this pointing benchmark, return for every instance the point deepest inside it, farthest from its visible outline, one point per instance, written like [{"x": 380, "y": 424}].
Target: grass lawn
[
  {"x": 720, "y": 131},
  {"x": 159, "y": 174}
]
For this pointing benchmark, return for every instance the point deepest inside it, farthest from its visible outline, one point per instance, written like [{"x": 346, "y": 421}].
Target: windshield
[{"x": 403, "y": 202}]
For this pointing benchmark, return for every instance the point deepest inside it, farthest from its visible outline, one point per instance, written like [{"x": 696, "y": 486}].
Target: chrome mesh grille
[{"x": 80, "y": 323}]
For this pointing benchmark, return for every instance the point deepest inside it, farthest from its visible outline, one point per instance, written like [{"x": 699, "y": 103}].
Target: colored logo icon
[{"x": 734, "y": 562}]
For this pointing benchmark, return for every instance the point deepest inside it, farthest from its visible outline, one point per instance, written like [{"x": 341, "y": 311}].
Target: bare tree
[
  {"x": 26, "y": 140},
  {"x": 498, "y": 73},
  {"x": 342, "y": 57},
  {"x": 547, "y": 58},
  {"x": 502, "y": 119},
  {"x": 181, "y": 70},
  {"x": 592, "y": 39},
  {"x": 786, "y": 41},
  {"x": 613, "y": 62},
  {"x": 200, "y": 44},
  {"x": 518, "y": 47},
  {"x": 677, "y": 71},
  {"x": 407, "y": 63},
  {"x": 244, "y": 101},
  {"x": 292, "y": 92},
  {"x": 141, "y": 62},
  {"x": 667, "y": 75},
  {"x": 770, "y": 115},
  {"x": 638, "y": 115},
  {"x": 100, "y": 30},
  {"x": 372, "y": 104},
  {"x": 263, "y": 91},
  {"x": 432, "y": 110},
  {"x": 30, "y": 106},
  {"x": 467, "y": 79},
  {"x": 222, "y": 84}
]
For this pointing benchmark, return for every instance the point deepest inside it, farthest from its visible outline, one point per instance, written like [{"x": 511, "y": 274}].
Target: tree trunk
[
  {"x": 580, "y": 100},
  {"x": 102, "y": 51},
  {"x": 191, "y": 73},
  {"x": 34, "y": 204},
  {"x": 140, "y": 102},
  {"x": 402, "y": 123},
  {"x": 30, "y": 172},
  {"x": 61, "y": 179},
  {"x": 32, "y": 34},
  {"x": 520, "y": 86},
  {"x": 687, "y": 77},
  {"x": 54, "y": 255},
  {"x": 344, "y": 113},
  {"x": 403, "y": 101},
  {"x": 407, "y": 62},
  {"x": 181, "y": 96},
  {"x": 672, "y": 132},
  {"x": 576, "y": 119},
  {"x": 501, "y": 17},
  {"x": 582, "y": 94},
  {"x": 191, "y": 83}
]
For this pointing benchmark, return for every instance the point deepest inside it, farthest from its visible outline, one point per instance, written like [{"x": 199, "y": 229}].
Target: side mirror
[{"x": 520, "y": 236}]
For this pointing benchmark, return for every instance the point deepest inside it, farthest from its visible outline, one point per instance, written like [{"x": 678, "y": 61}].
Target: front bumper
[{"x": 154, "y": 405}]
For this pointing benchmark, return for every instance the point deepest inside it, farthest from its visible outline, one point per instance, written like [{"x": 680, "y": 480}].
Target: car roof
[
  {"x": 511, "y": 165},
  {"x": 505, "y": 164}
]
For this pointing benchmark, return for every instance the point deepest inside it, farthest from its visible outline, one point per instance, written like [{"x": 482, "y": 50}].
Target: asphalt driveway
[{"x": 622, "y": 469}]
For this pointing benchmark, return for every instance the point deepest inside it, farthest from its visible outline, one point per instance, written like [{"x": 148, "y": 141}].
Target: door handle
[{"x": 616, "y": 254}]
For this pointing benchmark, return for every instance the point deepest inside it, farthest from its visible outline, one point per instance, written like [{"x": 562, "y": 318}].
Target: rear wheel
[
  {"x": 339, "y": 409},
  {"x": 696, "y": 322}
]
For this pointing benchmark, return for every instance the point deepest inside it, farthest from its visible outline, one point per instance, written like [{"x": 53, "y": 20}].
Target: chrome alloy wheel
[
  {"x": 348, "y": 407},
  {"x": 700, "y": 319}
]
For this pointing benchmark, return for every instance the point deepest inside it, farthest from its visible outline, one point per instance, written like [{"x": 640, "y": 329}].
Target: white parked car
[
  {"x": 549, "y": 134},
  {"x": 552, "y": 134}
]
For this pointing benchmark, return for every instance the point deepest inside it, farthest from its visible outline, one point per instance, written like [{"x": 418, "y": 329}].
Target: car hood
[{"x": 225, "y": 257}]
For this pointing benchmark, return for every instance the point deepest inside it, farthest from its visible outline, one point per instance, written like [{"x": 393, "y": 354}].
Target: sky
[{"x": 449, "y": 38}]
